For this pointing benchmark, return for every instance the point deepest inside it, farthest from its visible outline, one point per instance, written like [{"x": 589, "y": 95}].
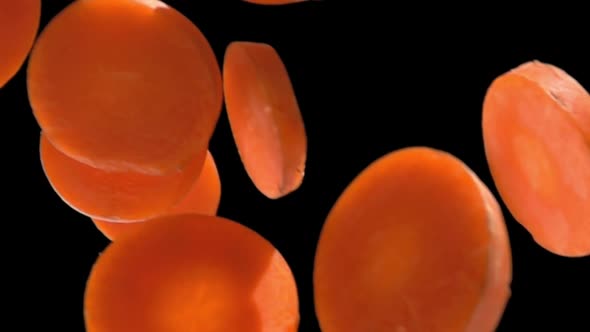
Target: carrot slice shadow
[
  {"x": 191, "y": 273},
  {"x": 264, "y": 117}
]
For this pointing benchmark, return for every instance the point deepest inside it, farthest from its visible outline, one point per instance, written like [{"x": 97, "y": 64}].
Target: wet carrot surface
[
  {"x": 115, "y": 196},
  {"x": 536, "y": 130},
  {"x": 415, "y": 243},
  {"x": 125, "y": 85},
  {"x": 19, "y": 23},
  {"x": 264, "y": 117},
  {"x": 191, "y": 273},
  {"x": 203, "y": 198}
]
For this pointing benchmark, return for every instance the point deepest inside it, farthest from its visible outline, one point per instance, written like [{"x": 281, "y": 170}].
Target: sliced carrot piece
[
  {"x": 116, "y": 196},
  {"x": 203, "y": 198},
  {"x": 536, "y": 131},
  {"x": 191, "y": 273},
  {"x": 19, "y": 23},
  {"x": 422, "y": 245},
  {"x": 264, "y": 117},
  {"x": 125, "y": 85}
]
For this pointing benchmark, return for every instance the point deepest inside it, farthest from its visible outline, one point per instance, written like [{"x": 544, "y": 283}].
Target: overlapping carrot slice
[
  {"x": 415, "y": 243},
  {"x": 115, "y": 196},
  {"x": 19, "y": 23},
  {"x": 203, "y": 198},
  {"x": 125, "y": 85},
  {"x": 536, "y": 130},
  {"x": 265, "y": 118},
  {"x": 191, "y": 273}
]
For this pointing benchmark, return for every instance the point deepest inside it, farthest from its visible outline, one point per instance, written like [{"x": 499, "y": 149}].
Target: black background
[{"x": 369, "y": 80}]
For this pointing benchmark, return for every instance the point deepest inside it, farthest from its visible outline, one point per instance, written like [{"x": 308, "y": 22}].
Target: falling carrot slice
[
  {"x": 264, "y": 116},
  {"x": 115, "y": 196},
  {"x": 415, "y": 243},
  {"x": 191, "y": 273},
  {"x": 125, "y": 85},
  {"x": 19, "y": 23},
  {"x": 203, "y": 198},
  {"x": 536, "y": 130}
]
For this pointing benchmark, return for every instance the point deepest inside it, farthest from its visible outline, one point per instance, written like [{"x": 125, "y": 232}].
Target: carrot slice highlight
[
  {"x": 536, "y": 131},
  {"x": 19, "y": 24},
  {"x": 264, "y": 116},
  {"x": 125, "y": 85},
  {"x": 415, "y": 243},
  {"x": 191, "y": 273},
  {"x": 115, "y": 196},
  {"x": 203, "y": 198}
]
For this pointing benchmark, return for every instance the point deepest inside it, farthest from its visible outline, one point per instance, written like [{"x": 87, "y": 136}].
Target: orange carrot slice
[
  {"x": 116, "y": 196},
  {"x": 415, "y": 243},
  {"x": 536, "y": 130},
  {"x": 203, "y": 198},
  {"x": 191, "y": 273},
  {"x": 264, "y": 116},
  {"x": 19, "y": 23},
  {"x": 125, "y": 85}
]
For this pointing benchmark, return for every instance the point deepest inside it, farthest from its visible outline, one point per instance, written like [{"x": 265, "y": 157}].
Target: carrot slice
[
  {"x": 116, "y": 196},
  {"x": 125, "y": 85},
  {"x": 422, "y": 245},
  {"x": 19, "y": 23},
  {"x": 536, "y": 131},
  {"x": 203, "y": 198},
  {"x": 191, "y": 273},
  {"x": 264, "y": 117}
]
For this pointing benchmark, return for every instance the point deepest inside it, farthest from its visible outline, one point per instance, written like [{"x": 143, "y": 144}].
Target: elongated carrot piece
[
  {"x": 415, "y": 243},
  {"x": 203, "y": 198},
  {"x": 274, "y": 2},
  {"x": 116, "y": 196},
  {"x": 125, "y": 85},
  {"x": 191, "y": 273},
  {"x": 264, "y": 117},
  {"x": 536, "y": 131},
  {"x": 19, "y": 23}
]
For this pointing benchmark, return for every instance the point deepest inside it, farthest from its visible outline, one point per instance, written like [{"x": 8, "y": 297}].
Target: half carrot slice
[
  {"x": 203, "y": 198},
  {"x": 191, "y": 273},
  {"x": 19, "y": 24},
  {"x": 264, "y": 117},
  {"x": 115, "y": 196},
  {"x": 536, "y": 130},
  {"x": 415, "y": 243},
  {"x": 125, "y": 85}
]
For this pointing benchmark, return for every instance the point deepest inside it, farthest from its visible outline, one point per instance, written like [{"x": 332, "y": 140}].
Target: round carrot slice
[
  {"x": 422, "y": 245},
  {"x": 191, "y": 273},
  {"x": 536, "y": 121},
  {"x": 203, "y": 198},
  {"x": 264, "y": 117},
  {"x": 19, "y": 23},
  {"x": 125, "y": 85},
  {"x": 115, "y": 196}
]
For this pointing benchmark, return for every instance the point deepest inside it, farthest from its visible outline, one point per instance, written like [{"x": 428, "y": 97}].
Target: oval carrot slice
[
  {"x": 19, "y": 23},
  {"x": 125, "y": 85},
  {"x": 264, "y": 117},
  {"x": 191, "y": 273},
  {"x": 116, "y": 196},
  {"x": 536, "y": 125},
  {"x": 422, "y": 244},
  {"x": 203, "y": 198}
]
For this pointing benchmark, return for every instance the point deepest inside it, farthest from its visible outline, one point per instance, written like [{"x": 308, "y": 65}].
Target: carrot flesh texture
[
  {"x": 264, "y": 117},
  {"x": 537, "y": 151},
  {"x": 203, "y": 198},
  {"x": 420, "y": 246},
  {"x": 191, "y": 273},
  {"x": 125, "y": 85},
  {"x": 115, "y": 196},
  {"x": 19, "y": 23}
]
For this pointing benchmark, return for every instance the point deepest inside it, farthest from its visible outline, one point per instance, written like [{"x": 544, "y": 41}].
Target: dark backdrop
[{"x": 369, "y": 80}]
